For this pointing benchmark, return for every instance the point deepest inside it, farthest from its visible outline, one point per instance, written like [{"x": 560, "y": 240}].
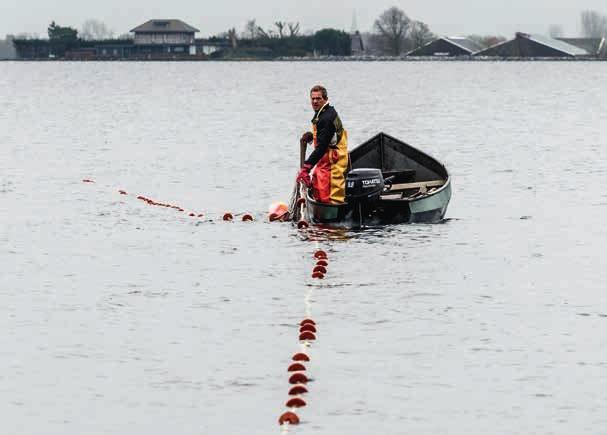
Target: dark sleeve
[{"x": 325, "y": 129}]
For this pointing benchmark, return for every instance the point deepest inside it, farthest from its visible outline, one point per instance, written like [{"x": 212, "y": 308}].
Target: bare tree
[
  {"x": 555, "y": 31},
  {"x": 594, "y": 24},
  {"x": 280, "y": 25},
  {"x": 233, "y": 37},
  {"x": 393, "y": 25},
  {"x": 250, "y": 30},
  {"x": 264, "y": 34},
  {"x": 94, "y": 30},
  {"x": 420, "y": 34},
  {"x": 293, "y": 29}
]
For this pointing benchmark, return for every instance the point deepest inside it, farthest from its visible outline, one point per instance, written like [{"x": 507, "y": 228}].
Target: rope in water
[{"x": 227, "y": 216}]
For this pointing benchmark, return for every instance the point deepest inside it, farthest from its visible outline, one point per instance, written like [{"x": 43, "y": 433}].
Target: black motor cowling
[{"x": 364, "y": 185}]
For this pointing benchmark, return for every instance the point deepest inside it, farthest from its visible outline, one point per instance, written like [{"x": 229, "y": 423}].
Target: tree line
[{"x": 393, "y": 33}]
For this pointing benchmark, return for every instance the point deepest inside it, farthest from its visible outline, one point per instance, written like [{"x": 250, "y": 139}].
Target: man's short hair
[{"x": 321, "y": 89}]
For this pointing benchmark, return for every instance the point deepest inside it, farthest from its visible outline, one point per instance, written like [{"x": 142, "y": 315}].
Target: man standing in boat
[{"x": 328, "y": 162}]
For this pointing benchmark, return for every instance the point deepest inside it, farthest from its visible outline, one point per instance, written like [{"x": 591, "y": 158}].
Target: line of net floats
[
  {"x": 298, "y": 379},
  {"x": 277, "y": 212},
  {"x": 307, "y": 328}
]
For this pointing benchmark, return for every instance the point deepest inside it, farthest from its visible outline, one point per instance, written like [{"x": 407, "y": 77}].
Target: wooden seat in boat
[{"x": 397, "y": 191}]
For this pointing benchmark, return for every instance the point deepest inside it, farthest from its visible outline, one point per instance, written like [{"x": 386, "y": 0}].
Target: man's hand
[
  {"x": 306, "y": 138},
  {"x": 304, "y": 175}
]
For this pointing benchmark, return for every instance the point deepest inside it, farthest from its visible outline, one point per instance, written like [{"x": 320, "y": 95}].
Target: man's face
[{"x": 317, "y": 100}]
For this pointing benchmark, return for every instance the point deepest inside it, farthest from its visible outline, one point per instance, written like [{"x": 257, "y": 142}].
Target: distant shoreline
[{"x": 333, "y": 59}]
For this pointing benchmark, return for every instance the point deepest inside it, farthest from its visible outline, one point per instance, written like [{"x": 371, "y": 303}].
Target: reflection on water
[
  {"x": 320, "y": 233},
  {"x": 118, "y": 317},
  {"x": 371, "y": 234}
]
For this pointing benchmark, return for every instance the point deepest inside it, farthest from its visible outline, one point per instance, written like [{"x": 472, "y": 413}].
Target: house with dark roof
[
  {"x": 525, "y": 45},
  {"x": 447, "y": 46},
  {"x": 165, "y": 36}
]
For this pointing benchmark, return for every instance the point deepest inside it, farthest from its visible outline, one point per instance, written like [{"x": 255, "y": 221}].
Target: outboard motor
[{"x": 363, "y": 187}]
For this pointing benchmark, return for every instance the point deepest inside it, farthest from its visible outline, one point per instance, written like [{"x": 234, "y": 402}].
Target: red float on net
[
  {"x": 321, "y": 269},
  {"x": 288, "y": 417},
  {"x": 320, "y": 255},
  {"x": 304, "y": 321},
  {"x": 323, "y": 263},
  {"x": 318, "y": 275},
  {"x": 122, "y": 192},
  {"x": 307, "y": 336},
  {"x": 301, "y": 357},
  {"x": 297, "y": 389},
  {"x": 295, "y": 402},
  {"x": 228, "y": 217},
  {"x": 296, "y": 367},
  {"x": 302, "y": 225},
  {"x": 308, "y": 327},
  {"x": 298, "y": 378},
  {"x": 247, "y": 218}
]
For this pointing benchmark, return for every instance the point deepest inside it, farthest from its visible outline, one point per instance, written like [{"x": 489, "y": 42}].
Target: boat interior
[{"x": 409, "y": 173}]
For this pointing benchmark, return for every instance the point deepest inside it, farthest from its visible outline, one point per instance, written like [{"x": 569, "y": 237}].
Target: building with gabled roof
[
  {"x": 164, "y": 26},
  {"x": 174, "y": 36},
  {"x": 447, "y": 46},
  {"x": 594, "y": 46},
  {"x": 531, "y": 45}
]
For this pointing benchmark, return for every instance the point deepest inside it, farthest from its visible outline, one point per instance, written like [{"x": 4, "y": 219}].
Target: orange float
[
  {"x": 298, "y": 378},
  {"x": 321, "y": 269},
  {"x": 295, "y": 402},
  {"x": 278, "y": 211},
  {"x": 297, "y": 389},
  {"x": 296, "y": 367},
  {"x": 301, "y": 357},
  {"x": 307, "y": 327},
  {"x": 320, "y": 255},
  {"x": 307, "y": 336},
  {"x": 288, "y": 417}
]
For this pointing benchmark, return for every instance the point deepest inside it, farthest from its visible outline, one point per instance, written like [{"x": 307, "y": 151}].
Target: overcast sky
[{"x": 460, "y": 17}]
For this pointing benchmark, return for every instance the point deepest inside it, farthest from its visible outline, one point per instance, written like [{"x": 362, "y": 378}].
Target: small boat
[{"x": 390, "y": 182}]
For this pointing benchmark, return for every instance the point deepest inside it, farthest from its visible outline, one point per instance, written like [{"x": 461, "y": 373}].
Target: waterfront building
[
  {"x": 165, "y": 36},
  {"x": 447, "y": 46},
  {"x": 525, "y": 45}
]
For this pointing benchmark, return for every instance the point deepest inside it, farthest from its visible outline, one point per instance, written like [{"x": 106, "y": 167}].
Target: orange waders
[{"x": 329, "y": 175}]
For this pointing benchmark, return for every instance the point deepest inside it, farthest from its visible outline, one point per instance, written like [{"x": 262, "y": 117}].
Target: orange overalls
[{"x": 329, "y": 174}]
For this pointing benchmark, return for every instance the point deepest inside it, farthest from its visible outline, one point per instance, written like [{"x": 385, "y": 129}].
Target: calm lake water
[{"x": 122, "y": 318}]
